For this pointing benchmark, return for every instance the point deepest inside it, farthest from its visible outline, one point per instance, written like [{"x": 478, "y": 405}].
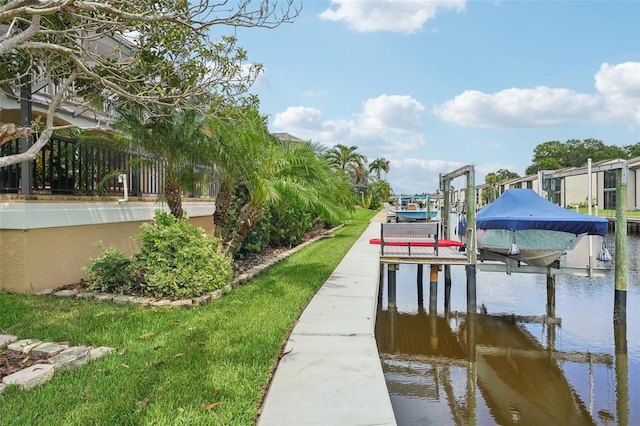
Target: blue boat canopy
[{"x": 519, "y": 209}]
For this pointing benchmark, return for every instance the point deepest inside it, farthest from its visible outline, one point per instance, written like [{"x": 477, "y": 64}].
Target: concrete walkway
[{"x": 331, "y": 374}]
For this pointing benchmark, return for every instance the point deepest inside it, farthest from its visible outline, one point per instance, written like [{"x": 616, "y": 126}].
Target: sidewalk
[{"x": 331, "y": 374}]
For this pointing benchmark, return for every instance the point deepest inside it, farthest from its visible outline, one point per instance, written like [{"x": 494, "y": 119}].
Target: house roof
[{"x": 286, "y": 137}]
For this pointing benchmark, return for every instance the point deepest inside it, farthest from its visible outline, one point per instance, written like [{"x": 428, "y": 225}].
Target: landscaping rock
[
  {"x": 24, "y": 345},
  {"x": 122, "y": 299},
  {"x": 5, "y": 339},
  {"x": 48, "y": 348},
  {"x": 103, "y": 297},
  {"x": 183, "y": 303},
  {"x": 66, "y": 293},
  {"x": 86, "y": 295},
  {"x": 30, "y": 377},
  {"x": 71, "y": 357},
  {"x": 99, "y": 351}
]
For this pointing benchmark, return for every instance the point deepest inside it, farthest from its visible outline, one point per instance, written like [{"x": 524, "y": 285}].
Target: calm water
[{"x": 509, "y": 366}]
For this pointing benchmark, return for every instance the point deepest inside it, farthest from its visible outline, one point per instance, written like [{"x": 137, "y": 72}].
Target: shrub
[
  {"x": 178, "y": 260},
  {"x": 110, "y": 272},
  {"x": 289, "y": 226}
]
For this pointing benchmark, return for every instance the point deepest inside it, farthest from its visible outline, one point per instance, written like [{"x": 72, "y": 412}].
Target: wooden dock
[{"x": 424, "y": 255}]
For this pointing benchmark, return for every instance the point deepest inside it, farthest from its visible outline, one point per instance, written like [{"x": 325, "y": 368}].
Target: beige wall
[{"x": 45, "y": 257}]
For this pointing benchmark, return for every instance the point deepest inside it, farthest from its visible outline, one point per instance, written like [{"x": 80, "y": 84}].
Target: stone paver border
[{"x": 64, "y": 358}]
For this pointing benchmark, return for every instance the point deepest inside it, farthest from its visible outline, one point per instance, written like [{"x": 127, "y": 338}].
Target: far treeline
[{"x": 554, "y": 155}]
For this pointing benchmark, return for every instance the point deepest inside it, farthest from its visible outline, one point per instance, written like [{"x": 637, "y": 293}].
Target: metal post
[
  {"x": 433, "y": 289},
  {"x": 445, "y": 213},
  {"x": 391, "y": 281},
  {"x": 26, "y": 168},
  {"x": 620, "y": 295},
  {"x": 589, "y": 196}
]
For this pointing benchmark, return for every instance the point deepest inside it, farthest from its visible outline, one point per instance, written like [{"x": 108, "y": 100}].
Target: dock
[{"x": 423, "y": 255}]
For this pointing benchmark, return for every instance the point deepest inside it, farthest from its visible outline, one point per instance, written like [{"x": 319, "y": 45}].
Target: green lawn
[{"x": 204, "y": 366}]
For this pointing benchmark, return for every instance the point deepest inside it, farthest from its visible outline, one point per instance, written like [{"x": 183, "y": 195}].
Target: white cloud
[
  {"x": 517, "y": 108},
  {"x": 386, "y": 124},
  {"x": 620, "y": 87},
  {"x": 402, "y": 16},
  {"x": 617, "y": 99},
  {"x": 299, "y": 121}
]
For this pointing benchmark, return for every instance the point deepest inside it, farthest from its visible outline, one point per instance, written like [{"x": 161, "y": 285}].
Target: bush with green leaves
[
  {"x": 289, "y": 226},
  {"x": 178, "y": 260},
  {"x": 110, "y": 272}
]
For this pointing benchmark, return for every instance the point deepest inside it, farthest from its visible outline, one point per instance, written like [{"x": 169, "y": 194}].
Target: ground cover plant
[{"x": 204, "y": 366}]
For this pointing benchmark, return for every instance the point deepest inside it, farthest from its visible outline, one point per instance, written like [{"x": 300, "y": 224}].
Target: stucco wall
[{"x": 35, "y": 254}]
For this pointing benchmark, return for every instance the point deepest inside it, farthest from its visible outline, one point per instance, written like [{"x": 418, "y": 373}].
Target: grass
[
  {"x": 204, "y": 366},
  {"x": 608, "y": 212}
]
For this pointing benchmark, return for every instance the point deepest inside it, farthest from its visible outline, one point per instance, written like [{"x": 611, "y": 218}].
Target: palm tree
[
  {"x": 348, "y": 160},
  {"x": 175, "y": 137},
  {"x": 272, "y": 173},
  {"x": 379, "y": 165}
]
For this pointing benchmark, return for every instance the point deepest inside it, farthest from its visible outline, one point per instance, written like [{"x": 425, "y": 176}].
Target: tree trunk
[
  {"x": 174, "y": 199},
  {"x": 249, "y": 216},
  {"x": 224, "y": 200}
]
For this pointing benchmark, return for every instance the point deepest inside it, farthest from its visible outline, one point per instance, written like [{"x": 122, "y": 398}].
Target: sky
[{"x": 432, "y": 86}]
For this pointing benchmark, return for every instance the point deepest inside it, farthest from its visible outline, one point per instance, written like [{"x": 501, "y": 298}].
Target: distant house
[
  {"x": 286, "y": 137},
  {"x": 569, "y": 187}
]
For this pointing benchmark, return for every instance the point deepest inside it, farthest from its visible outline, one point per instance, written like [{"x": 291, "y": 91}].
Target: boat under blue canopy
[{"x": 519, "y": 209}]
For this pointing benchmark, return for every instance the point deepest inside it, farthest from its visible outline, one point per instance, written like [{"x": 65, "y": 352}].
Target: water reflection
[{"x": 530, "y": 359}]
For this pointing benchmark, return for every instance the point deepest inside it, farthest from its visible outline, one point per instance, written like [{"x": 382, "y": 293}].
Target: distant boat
[
  {"x": 419, "y": 215},
  {"x": 523, "y": 225},
  {"x": 414, "y": 208}
]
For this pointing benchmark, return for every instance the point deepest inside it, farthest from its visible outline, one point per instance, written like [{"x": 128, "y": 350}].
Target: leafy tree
[
  {"x": 177, "y": 138},
  {"x": 380, "y": 191},
  {"x": 285, "y": 175},
  {"x": 633, "y": 150},
  {"x": 495, "y": 178},
  {"x": 378, "y": 166},
  {"x": 547, "y": 156},
  {"x": 348, "y": 160},
  {"x": 555, "y": 155},
  {"x": 163, "y": 56}
]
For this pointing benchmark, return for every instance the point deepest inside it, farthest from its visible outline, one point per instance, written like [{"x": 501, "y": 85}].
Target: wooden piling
[
  {"x": 391, "y": 283},
  {"x": 420, "y": 287},
  {"x": 622, "y": 373},
  {"x": 551, "y": 311},
  {"x": 472, "y": 307},
  {"x": 433, "y": 288},
  {"x": 620, "y": 295},
  {"x": 447, "y": 288}
]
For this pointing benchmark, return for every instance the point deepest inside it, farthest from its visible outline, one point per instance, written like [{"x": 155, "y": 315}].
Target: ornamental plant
[{"x": 177, "y": 259}]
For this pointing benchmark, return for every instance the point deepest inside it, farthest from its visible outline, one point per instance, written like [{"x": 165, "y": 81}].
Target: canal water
[{"x": 524, "y": 359}]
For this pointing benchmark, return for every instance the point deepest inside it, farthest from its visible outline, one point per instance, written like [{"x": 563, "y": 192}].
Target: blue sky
[{"x": 435, "y": 85}]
